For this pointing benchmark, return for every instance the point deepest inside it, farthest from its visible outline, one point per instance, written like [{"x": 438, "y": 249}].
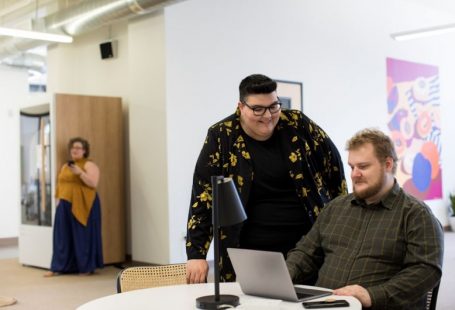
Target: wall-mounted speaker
[{"x": 108, "y": 49}]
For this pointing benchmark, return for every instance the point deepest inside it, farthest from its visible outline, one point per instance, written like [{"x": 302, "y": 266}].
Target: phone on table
[
  {"x": 70, "y": 163},
  {"x": 325, "y": 304}
]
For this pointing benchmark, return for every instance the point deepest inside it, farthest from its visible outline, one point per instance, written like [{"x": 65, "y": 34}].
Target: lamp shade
[{"x": 230, "y": 208}]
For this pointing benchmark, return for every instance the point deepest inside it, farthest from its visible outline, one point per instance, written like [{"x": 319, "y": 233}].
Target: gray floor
[{"x": 446, "y": 298}]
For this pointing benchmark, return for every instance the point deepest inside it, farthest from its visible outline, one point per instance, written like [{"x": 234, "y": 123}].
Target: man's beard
[{"x": 371, "y": 191}]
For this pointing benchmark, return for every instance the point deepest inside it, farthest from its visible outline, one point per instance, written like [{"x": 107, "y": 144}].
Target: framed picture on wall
[{"x": 290, "y": 94}]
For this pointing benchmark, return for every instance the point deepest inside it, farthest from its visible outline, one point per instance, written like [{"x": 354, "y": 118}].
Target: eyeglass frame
[{"x": 252, "y": 108}]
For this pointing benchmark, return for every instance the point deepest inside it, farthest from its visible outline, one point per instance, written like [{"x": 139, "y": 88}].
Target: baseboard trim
[{"x": 14, "y": 241}]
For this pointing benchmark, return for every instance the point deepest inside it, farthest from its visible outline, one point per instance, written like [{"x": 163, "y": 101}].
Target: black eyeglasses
[{"x": 259, "y": 110}]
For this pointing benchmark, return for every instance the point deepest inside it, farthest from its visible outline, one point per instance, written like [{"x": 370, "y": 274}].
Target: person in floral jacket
[{"x": 285, "y": 168}]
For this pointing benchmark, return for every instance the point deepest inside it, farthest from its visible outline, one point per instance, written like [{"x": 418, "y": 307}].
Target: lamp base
[{"x": 209, "y": 302}]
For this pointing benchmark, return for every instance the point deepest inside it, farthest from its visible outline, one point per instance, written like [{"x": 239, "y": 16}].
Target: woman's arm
[{"x": 90, "y": 176}]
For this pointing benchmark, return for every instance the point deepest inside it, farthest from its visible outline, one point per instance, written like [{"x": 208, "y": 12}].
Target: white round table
[{"x": 184, "y": 297}]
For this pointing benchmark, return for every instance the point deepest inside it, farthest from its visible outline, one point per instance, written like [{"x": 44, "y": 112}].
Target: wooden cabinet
[{"x": 99, "y": 120}]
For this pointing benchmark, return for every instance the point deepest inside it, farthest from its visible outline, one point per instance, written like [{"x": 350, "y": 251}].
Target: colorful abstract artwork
[{"x": 413, "y": 102}]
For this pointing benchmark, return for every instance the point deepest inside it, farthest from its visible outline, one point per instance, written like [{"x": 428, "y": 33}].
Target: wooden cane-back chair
[
  {"x": 432, "y": 298},
  {"x": 134, "y": 278}
]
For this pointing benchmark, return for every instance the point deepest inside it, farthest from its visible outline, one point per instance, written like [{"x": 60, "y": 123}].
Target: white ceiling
[
  {"x": 19, "y": 13},
  {"x": 447, "y": 6}
]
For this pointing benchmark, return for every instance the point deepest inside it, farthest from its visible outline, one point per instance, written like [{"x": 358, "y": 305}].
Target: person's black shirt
[{"x": 276, "y": 218}]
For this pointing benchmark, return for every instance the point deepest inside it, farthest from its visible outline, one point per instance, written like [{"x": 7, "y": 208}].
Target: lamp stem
[
  {"x": 216, "y": 234},
  {"x": 217, "y": 301}
]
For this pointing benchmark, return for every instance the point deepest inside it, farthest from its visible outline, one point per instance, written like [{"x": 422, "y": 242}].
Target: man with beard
[{"x": 378, "y": 244}]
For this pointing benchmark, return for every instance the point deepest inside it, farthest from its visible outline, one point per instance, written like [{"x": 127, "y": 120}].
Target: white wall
[
  {"x": 338, "y": 50},
  {"x": 148, "y": 162},
  {"x": 13, "y": 92},
  {"x": 78, "y": 68}
]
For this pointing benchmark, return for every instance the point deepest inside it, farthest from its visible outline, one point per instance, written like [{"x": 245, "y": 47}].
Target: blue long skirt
[{"x": 77, "y": 248}]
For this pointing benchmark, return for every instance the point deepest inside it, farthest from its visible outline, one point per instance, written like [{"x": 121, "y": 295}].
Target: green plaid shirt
[{"x": 394, "y": 249}]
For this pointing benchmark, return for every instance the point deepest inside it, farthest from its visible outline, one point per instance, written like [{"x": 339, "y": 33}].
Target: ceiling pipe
[
  {"x": 13, "y": 7},
  {"x": 28, "y": 60},
  {"x": 13, "y": 46},
  {"x": 91, "y": 14},
  {"x": 80, "y": 18}
]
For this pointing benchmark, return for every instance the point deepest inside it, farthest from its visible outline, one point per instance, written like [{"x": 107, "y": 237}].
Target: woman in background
[{"x": 77, "y": 244}]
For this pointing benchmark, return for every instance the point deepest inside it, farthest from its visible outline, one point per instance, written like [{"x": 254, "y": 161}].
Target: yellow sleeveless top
[{"x": 71, "y": 188}]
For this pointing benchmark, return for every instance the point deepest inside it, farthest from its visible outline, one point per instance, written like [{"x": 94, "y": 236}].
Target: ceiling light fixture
[
  {"x": 35, "y": 35},
  {"x": 421, "y": 33}
]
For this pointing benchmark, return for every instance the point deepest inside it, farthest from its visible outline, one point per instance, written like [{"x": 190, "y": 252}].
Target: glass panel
[{"x": 36, "y": 192}]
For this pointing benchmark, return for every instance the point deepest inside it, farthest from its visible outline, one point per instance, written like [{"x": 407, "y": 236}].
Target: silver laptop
[{"x": 264, "y": 273}]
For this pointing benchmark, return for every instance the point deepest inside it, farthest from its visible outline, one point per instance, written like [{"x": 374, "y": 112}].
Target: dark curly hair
[
  {"x": 256, "y": 84},
  {"x": 82, "y": 141}
]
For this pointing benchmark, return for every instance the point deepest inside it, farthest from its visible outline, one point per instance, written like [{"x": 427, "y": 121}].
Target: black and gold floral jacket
[{"x": 314, "y": 165}]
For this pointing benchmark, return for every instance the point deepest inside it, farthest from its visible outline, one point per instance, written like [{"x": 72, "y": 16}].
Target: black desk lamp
[{"x": 227, "y": 210}]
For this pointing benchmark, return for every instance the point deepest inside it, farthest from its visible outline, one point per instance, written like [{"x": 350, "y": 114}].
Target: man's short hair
[
  {"x": 256, "y": 84},
  {"x": 382, "y": 144}
]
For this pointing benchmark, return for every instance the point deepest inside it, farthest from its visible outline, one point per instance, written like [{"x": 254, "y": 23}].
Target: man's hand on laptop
[
  {"x": 357, "y": 291},
  {"x": 196, "y": 271}
]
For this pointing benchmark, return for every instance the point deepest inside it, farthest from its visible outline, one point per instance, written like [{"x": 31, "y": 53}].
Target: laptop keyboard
[{"x": 303, "y": 295}]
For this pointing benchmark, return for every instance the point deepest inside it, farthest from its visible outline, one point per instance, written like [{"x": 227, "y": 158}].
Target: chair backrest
[
  {"x": 134, "y": 278},
  {"x": 432, "y": 298}
]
